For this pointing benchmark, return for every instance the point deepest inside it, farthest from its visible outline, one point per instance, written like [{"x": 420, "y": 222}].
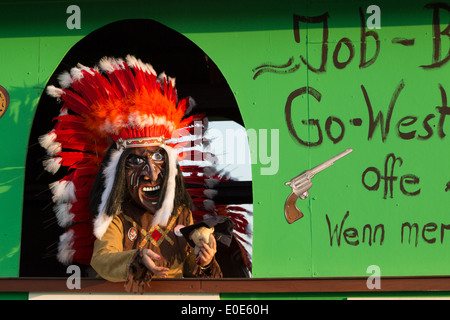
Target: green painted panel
[
  {"x": 309, "y": 247},
  {"x": 337, "y": 296},
  {"x": 19, "y": 77},
  {"x": 413, "y": 190},
  {"x": 13, "y": 295},
  {"x": 283, "y": 296}
]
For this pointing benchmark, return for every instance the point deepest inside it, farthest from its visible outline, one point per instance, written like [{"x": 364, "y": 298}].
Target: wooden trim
[{"x": 255, "y": 285}]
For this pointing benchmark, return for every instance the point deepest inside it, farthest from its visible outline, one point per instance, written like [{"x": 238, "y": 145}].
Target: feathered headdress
[{"x": 123, "y": 102}]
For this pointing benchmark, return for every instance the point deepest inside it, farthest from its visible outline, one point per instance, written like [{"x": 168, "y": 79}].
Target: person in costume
[
  {"x": 118, "y": 135},
  {"x": 134, "y": 247}
]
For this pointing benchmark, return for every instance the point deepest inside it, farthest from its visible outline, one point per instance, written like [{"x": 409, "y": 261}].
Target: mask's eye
[
  {"x": 157, "y": 156},
  {"x": 136, "y": 160}
]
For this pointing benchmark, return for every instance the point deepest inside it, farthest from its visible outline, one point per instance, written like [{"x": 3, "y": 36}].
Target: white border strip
[{"x": 120, "y": 296}]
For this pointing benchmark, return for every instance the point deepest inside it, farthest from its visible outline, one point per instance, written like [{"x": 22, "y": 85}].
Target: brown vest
[{"x": 139, "y": 233}]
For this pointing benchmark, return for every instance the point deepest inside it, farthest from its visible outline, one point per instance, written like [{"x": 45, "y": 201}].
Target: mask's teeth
[{"x": 151, "y": 188}]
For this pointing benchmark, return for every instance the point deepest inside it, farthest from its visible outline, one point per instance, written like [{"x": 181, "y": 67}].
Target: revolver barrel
[{"x": 330, "y": 162}]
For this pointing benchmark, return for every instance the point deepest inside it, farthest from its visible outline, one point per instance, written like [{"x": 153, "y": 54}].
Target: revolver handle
[{"x": 291, "y": 211}]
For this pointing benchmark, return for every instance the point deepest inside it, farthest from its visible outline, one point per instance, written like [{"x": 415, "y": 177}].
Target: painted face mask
[{"x": 145, "y": 171}]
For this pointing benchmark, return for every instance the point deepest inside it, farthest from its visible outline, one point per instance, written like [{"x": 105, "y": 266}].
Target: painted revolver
[{"x": 301, "y": 184}]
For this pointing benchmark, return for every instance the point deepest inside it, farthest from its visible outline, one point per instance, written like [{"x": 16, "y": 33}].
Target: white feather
[
  {"x": 54, "y": 148},
  {"x": 138, "y": 64},
  {"x": 209, "y": 171},
  {"x": 46, "y": 140},
  {"x": 119, "y": 63},
  {"x": 211, "y": 182},
  {"x": 209, "y": 204},
  {"x": 84, "y": 68},
  {"x": 192, "y": 104},
  {"x": 63, "y": 191},
  {"x": 149, "y": 69},
  {"x": 64, "y": 79},
  {"x": 52, "y": 165},
  {"x": 76, "y": 74},
  {"x": 65, "y": 251},
  {"x": 162, "y": 76},
  {"x": 54, "y": 92},
  {"x": 63, "y": 214},
  {"x": 132, "y": 61},
  {"x": 172, "y": 81},
  {"x": 211, "y": 158},
  {"x": 163, "y": 214},
  {"x": 210, "y": 193},
  {"x": 101, "y": 222},
  {"x": 110, "y": 64},
  {"x": 106, "y": 64}
]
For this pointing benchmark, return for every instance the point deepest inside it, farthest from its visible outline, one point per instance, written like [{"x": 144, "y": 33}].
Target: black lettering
[
  {"x": 429, "y": 227},
  {"x": 351, "y": 233},
  {"x": 328, "y": 124},
  {"x": 436, "y": 59},
  {"x": 380, "y": 117},
  {"x": 409, "y": 179},
  {"x": 427, "y": 127},
  {"x": 403, "y": 41},
  {"x": 335, "y": 232},
  {"x": 404, "y": 122},
  {"x": 364, "y": 34},
  {"x": 407, "y": 224},
  {"x": 377, "y": 227},
  {"x": 376, "y": 185},
  {"x": 288, "y": 114},
  {"x": 443, "y": 228},
  {"x": 444, "y": 111},
  {"x": 317, "y": 19},
  {"x": 357, "y": 122},
  {"x": 389, "y": 180},
  {"x": 315, "y": 122},
  {"x": 351, "y": 50},
  {"x": 367, "y": 227}
]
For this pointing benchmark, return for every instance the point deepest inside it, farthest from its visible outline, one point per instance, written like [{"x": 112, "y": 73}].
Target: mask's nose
[{"x": 150, "y": 171}]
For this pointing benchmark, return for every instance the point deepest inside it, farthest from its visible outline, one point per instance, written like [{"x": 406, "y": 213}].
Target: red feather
[{"x": 74, "y": 102}]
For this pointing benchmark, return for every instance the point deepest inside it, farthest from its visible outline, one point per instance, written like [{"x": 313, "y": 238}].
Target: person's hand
[
  {"x": 148, "y": 259},
  {"x": 207, "y": 252}
]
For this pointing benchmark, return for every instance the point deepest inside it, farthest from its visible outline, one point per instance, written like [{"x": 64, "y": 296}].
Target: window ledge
[{"x": 233, "y": 285}]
